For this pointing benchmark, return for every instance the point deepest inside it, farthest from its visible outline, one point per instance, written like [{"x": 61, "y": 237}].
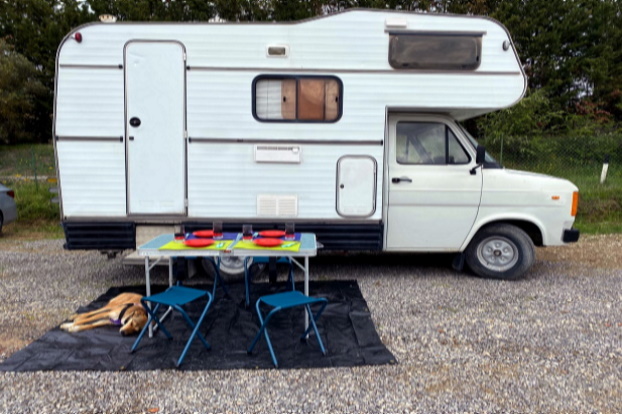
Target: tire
[
  {"x": 500, "y": 251},
  {"x": 231, "y": 268}
]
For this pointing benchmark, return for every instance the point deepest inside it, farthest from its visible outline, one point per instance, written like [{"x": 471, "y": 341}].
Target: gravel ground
[{"x": 551, "y": 342}]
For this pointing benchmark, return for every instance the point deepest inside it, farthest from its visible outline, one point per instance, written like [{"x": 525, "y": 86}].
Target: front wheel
[{"x": 500, "y": 251}]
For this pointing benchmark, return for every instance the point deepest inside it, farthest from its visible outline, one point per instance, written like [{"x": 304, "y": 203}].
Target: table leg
[
  {"x": 148, "y": 289},
  {"x": 170, "y": 271},
  {"x": 306, "y": 289}
]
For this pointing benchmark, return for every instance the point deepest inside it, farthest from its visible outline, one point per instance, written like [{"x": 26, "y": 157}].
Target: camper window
[
  {"x": 428, "y": 143},
  {"x": 297, "y": 98},
  {"x": 433, "y": 51}
]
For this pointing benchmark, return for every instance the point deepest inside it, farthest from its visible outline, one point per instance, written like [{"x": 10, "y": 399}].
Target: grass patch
[
  {"x": 37, "y": 216},
  {"x": 27, "y": 160}
]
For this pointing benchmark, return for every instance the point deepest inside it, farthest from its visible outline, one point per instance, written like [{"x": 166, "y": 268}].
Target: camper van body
[{"x": 346, "y": 125}]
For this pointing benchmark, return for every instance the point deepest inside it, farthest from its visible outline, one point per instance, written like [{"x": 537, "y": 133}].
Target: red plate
[
  {"x": 272, "y": 233},
  {"x": 268, "y": 242},
  {"x": 204, "y": 233},
  {"x": 198, "y": 242}
]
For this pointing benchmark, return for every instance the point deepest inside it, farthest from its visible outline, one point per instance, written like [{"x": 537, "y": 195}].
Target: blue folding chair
[
  {"x": 258, "y": 260},
  {"x": 176, "y": 297},
  {"x": 286, "y": 300}
]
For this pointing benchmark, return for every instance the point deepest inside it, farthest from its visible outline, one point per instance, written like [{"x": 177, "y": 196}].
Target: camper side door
[{"x": 433, "y": 198}]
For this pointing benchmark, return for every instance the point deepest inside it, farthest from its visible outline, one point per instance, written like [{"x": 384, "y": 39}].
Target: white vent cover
[
  {"x": 277, "y": 205},
  {"x": 284, "y": 154}
]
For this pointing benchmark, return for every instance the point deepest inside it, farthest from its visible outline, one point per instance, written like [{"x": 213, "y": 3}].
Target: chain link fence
[{"x": 572, "y": 157}]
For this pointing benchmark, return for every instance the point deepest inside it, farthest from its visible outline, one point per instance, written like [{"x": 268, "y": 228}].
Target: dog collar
[{"x": 118, "y": 322}]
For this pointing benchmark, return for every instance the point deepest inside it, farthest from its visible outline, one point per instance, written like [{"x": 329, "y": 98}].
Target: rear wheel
[
  {"x": 231, "y": 267},
  {"x": 500, "y": 251}
]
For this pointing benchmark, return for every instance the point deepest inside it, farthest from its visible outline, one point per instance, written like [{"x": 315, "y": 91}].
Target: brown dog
[{"x": 124, "y": 310}]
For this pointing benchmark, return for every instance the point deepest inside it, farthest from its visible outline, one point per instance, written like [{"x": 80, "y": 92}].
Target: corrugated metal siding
[
  {"x": 92, "y": 178},
  {"x": 90, "y": 103},
  {"x": 224, "y": 181}
]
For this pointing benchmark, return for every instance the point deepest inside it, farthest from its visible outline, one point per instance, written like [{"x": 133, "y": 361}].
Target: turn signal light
[{"x": 575, "y": 204}]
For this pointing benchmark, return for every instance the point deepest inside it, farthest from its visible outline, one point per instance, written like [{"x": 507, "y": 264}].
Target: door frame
[
  {"x": 184, "y": 121},
  {"x": 423, "y": 117}
]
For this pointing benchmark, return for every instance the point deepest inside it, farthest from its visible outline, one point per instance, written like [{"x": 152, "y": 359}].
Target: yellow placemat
[
  {"x": 179, "y": 245},
  {"x": 290, "y": 246}
]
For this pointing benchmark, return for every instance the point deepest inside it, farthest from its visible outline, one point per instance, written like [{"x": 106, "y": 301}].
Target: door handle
[
  {"x": 135, "y": 122},
  {"x": 397, "y": 180}
]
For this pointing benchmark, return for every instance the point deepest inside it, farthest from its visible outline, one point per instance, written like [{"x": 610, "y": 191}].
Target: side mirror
[{"x": 480, "y": 156}]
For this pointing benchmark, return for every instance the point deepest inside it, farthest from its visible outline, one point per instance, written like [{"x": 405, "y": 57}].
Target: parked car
[{"x": 8, "y": 209}]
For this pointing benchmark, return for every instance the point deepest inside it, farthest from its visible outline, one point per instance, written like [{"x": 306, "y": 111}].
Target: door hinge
[
  {"x": 185, "y": 134},
  {"x": 186, "y": 202}
]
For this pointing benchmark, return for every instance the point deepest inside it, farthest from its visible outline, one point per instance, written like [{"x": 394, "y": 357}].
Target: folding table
[{"x": 154, "y": 249}]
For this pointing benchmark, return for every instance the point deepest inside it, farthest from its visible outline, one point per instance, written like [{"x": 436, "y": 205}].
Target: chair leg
[
  {"x": 313, "y": 325},
  {"x": 217, "y": 277},
  {"x": 247, "y": 277},
  {"x": 263, "y": 329},
  {"x": 290, "y": 278},
  {"x": 195, "y": 331},
  {"x": 192, "y": 325},
  {"x": 152, "y": 318}
]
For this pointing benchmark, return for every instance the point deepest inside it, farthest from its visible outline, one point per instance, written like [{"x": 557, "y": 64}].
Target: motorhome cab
[{"x": 347, "y": 125}]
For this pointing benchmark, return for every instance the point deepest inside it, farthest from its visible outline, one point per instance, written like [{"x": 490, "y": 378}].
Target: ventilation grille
[
  {"x": 278, "y": 154},
  {"x": 277, "y": 205}
]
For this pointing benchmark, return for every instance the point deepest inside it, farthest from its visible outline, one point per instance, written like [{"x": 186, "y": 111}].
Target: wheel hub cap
[{"x": 497, "y": 253}]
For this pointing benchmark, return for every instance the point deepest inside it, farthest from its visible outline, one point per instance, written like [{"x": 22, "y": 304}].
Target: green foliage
[
  {"x": 27, "y": 160},
  {"x": 33, "y": 29},
  {"x": 21, "y": 94},
  {"x": 570, "y": 48},
  {"x": 33, "y": 201}
]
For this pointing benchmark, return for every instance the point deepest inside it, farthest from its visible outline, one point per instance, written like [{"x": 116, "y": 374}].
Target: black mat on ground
[{"x": 346, "y": 328}]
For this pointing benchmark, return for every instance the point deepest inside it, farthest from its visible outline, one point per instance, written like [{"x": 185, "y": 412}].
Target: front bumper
[{"x": 570, "y": 236}]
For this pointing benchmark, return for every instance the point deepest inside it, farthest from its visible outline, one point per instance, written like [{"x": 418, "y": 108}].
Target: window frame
[
  {"x": 478, "y": 36},
  {"x": 296, "y": 77},
  {"x": 446, "y": 145}
]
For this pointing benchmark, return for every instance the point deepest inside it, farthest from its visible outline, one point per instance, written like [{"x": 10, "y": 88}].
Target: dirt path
[{"x": 599, "y": 251}]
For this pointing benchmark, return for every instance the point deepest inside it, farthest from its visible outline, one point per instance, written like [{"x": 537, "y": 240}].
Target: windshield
[{"x": 489, "y": 159}]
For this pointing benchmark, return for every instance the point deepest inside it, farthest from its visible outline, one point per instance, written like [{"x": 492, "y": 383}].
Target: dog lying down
[{"x": 124, "y": 310}]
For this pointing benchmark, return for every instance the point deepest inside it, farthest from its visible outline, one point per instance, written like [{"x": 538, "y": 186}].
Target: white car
[{"x": 8, "y": 209}]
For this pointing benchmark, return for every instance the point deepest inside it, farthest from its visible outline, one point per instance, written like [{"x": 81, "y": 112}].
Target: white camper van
[{"x": 346, "y": 125}]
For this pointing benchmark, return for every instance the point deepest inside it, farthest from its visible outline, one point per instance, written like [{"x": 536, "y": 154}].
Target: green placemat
[
  {"x": 178, "y": 245},
  {"x": 286, "y": 246}
]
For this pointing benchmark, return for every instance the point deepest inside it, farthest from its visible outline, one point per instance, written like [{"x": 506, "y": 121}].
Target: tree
[
  {"x": 22, "y": 97},
  {"x": 34, "y": 29}
]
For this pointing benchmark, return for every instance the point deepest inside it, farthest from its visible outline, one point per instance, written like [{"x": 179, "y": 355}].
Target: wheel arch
[{"x": 534, "y": 230}]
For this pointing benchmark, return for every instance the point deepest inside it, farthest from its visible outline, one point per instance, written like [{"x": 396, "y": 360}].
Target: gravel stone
[{"x": 550, "y": 342}]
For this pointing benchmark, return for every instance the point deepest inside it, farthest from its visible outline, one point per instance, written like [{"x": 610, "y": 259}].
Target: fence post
[
  {"x": 603, "y": 174},
  {"x": 34, "y": 168}
]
